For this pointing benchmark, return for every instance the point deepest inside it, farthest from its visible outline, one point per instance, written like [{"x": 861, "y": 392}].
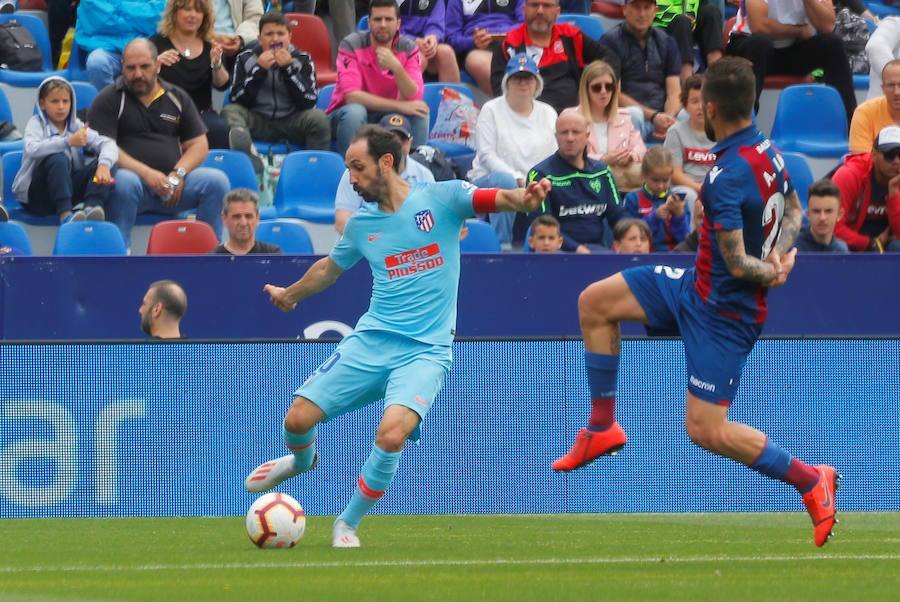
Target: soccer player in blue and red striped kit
[
  {"x": 400, "y": 350},
  {"x": 752, "y": 216}
]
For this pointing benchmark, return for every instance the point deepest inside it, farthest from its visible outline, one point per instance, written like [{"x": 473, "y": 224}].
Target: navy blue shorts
[{"x": 715, "y": 347}]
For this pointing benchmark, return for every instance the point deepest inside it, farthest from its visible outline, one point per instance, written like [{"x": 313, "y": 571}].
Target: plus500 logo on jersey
[{"x": 414, "y": 261}]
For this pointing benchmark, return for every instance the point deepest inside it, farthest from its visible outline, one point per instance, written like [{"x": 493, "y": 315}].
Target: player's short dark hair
[
  {"x": 730, "y": 84},
  {"x": 383, "y": 4},
  {"x": 381, "y": 142},
  {"x": 824, "y": 187},
  {"x": 172, "y": 297},
  {"x": 273, "y": 16}
]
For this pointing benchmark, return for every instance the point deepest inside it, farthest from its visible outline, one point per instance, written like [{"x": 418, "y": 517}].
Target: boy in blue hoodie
[{"x": 67, "y": 168}]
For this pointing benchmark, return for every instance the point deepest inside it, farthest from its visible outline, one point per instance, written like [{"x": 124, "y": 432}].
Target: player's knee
[
  {"x": 392, "y": 435},
  {"x": 591, "y": 306},
  {"x": 298, "y": 419},
  {"x": 391, "y": 440}
]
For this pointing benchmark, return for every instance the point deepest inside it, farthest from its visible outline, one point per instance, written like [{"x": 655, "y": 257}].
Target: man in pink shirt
[{"x": 379, "y": 72}]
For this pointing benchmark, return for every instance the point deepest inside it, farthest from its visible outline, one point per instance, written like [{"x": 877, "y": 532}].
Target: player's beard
[{"x": 376, "y": 189}]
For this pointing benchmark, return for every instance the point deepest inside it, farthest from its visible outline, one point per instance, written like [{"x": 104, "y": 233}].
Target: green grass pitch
[{"x": 581, "y": 557}]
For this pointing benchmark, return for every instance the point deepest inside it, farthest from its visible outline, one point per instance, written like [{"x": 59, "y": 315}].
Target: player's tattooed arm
[
  {"x": 741, "y": 265},
  {"x": 790, "y": 224}
]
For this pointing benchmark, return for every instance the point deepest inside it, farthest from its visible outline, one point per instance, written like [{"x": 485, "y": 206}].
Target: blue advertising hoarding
[{"x": 168, "y": 429}]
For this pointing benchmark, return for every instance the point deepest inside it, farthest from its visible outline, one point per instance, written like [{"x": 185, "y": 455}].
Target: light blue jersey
[{"x": 414, "y": 257}]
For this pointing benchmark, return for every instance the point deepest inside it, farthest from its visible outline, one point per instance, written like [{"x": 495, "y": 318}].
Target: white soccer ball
[{"x": 276, "y": 520}]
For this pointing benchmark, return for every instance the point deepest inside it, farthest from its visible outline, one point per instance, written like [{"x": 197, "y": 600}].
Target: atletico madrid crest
[{"x": 425, "y": 220}]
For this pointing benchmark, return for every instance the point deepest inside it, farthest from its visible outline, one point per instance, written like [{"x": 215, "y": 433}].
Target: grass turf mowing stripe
[{"x": 448, "y": 563}]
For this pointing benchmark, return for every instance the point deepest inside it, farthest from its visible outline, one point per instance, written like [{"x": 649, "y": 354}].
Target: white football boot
[
  {"x": 343, "y": 535},
  {"x": 269, "y": 474}
]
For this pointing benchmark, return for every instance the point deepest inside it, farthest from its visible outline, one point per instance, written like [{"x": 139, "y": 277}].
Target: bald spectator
[
  {"x": 162, "y": 144},
  {"x": 871, "y": 116},
  {"x": 584, "y": 197}
]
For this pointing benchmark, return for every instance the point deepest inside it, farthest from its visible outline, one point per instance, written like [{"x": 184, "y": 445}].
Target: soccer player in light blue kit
[
  {"x": 401, "y": 349},
  {"x": 751, "y": 219}
]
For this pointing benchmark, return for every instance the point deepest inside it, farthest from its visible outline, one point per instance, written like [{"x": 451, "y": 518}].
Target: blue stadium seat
[
  {"x": 307, "y": 185},
  {"x": 810, "y": 119},
  {"x": 6, "y": 115},
  {"x": 31, "y": 79},
  {"x": 881, "y": 10},
  {"x": 363, "y": 23},
  {"x": 89, "y": 238},
  {"x": 480, "y": 239},
  {"x": 12, "y": 161},
  {"x": 12, "y": 234},
  {"x": 288, "y": 234},
  {"x": 324, "y": 99},
  {"x": 800, "y": 173},
  {"x": 76, "y": 71},
  {"x": 85, "y": 93},
  {"x": 236, "y": 165},
  {"x": 526, "y": 248},
  {"x": 588, "y": 24}
]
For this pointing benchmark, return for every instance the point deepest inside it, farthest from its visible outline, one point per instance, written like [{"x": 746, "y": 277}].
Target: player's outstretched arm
[
  {"x": 525, "y": 199},
  {"x": 317, "y": 278}
]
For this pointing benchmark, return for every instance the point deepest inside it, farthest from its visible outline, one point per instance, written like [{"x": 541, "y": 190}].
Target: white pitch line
[{"x": 439, "y": 563}]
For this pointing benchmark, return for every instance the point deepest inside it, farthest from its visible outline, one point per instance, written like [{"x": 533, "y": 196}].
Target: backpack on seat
[{"x": 18, "y": 49}]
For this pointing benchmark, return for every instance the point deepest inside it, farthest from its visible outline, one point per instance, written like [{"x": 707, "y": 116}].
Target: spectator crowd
[{"x": 616, "y": 122}]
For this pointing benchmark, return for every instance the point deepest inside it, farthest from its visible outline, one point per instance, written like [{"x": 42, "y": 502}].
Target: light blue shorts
[{"x": 371, "y": 365}]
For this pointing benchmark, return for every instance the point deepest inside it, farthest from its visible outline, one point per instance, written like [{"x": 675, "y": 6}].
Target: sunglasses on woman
[{"x": 597, "y": 88}]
